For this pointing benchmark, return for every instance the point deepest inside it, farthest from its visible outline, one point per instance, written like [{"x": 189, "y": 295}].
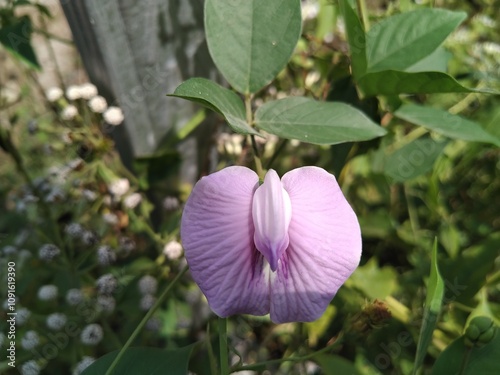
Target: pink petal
[
  {"x": 324, "y": 249},
  {"x": 272, "y": 213},
  {"x": 217, "y": 234}
]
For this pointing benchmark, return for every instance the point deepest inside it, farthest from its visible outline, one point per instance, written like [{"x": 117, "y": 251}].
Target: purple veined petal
[
  {"x": 272, "y": 212},
  {"x": 324, "y": 249},
  {"x": 217, "y": 234}
]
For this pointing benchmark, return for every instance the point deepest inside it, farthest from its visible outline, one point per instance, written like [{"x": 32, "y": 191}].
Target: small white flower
[
  {"x": 48, "y": 252},
  {"x": 83, "y": 364},
  {"x": 30, "y": 340},
  {"x": 106, "y": 303},
  {"x": 69, "y": 112},
  {"x": 74, "y": 230},
  {"x": 56, "y": 321},
  {"x": 173, "y": 250},
  {"x": 74, "y": 297},
  {"x": 92, "y": 334},
  {"x": 106, "y": 284},
  {"x": 47, "y": 293},
  {"x": 113, "y": 116},
  {"x": 53, "y": 94},
  {"x": 9, "y": 250},
  {"x": 153, "y": 324},
  {"x": 73, "y": 92},
  {"x": 147, "y": 301},
  {"x": 110, "y": 218},
  {"x": 132, "y": 200},
  {"x": 87, "y": 91},
  {"x": 127, "y": 245},
  {"x": 105, "y": 255},
  {"x": 170, "y": 203},
  {"x": 30, "y": 368},
  {"x": 6, "y": 303},
  {"x": 23, "y": 314},
  {"x": 89, "y": 238},
  {"x": 310, "y": 9},
  {"x": 148, "y": 285},
  {"x": 119, "y": 187},
  {"x": 98, "y": 104},
  {"x": 89, "y": 195}
]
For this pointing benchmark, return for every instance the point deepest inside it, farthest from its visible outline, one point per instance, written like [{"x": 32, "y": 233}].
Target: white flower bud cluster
[
  {"x": 47, "y": 292},
  {"x": 54, "y": 94},
  {"x": 48, "y": 252},
  {"x": 106, "y": 284},
  {"x": 119, "y": 187},
  {"x": 105, "y": 255},
  {"x": 147, "y": 301},
  {"x": 132, "y": 200},
  {"x": 147, "y": 285},
  {"x": 74, "y": 297},
  {"x": 92, "y": 334},
  {"x": 56, "y": 321},
  {"x": 153, "y": 324},
  {"x": 9, "y": 250},
  {"x": 89, "y": 238},
  {"x": 106, "y": 303},
  {"x": 98, "y": 104},
  {"x": 69, "y": 112},
  {"x": 30, "y": 340},
  {"x": 127, "y": 244},
  {"x": 113, "y": 116},
  {"x": 23, "y": 315},
  {"x": 83, "y": 364},
  {"x": 170, "y": 204},
  {"x": 30, "y": 368},
  {"x": 74, "y": 230},
  {"x": 173, "y": 250}
]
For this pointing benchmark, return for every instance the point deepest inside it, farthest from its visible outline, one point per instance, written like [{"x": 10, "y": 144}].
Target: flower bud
[{"x": 481, "y": 331}]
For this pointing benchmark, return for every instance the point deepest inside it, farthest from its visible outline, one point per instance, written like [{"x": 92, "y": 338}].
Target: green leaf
[
  {"x": 218, "y": 99},
  {"x": 402, "y": 40},
  {"x": 316, "y": 329},
  {"x": 437, "y": 61},
  {"x": 17, "y": 39},
  {"x": 445, "y": 123},
  {"x": 373, "y": 281},
  {"x": 482, "y": 361},
  {"x": 335, "y": 365},
  {"x": 316, "y": 122},
  {"x": 393, "y": 82},
  {"x": 414, "y": 159},
  {"x": 145, "y": 361},
  {"x": 355, "y": 37},
  {"x": 250, "y": 41},
  {"x": 435, "y": 293}
]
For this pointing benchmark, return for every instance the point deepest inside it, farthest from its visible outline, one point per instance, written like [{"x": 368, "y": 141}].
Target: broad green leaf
[
  {"x": 335, "y": 365},
  {"x": 414, "y": 159},
  {"x": 250, "y": 41},
  {"x": 145, "y": 361},
  {"x": 373, "y": 281},
  {"x": 17, "y": 39},
  {"x": 437, "y": 61},
  {"x": 355, "y": 37},
  {"x": 435, "y": 293},
  {"x": 445, "y": 123},
  {"x": 393, "y": 82},
  {"x": 482, "y": 361},
  {"x": 316, "y": 122},
  {"x": 218, "y": 99},
  {"x": 402, "y": 40}
]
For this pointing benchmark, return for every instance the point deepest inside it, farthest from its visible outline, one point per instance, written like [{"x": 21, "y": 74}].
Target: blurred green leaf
[
  {"x": 435, "y": 293},
  {"x": 316, "y": 329},
  {"x": 482, "y": 361},
  {"x": 335, "y": 365},
  {"x": 145, "y": 361},
  {"x": 414, "y": 159},
  {"x": 316, "y": 122},
  {"x": 218, "y": 99},
  {"x": 251, "y": 40},
  {"x": 392, "y": 82},
  {"x": 373, "y": 281},
  {"x": 356, "y": 38},
  {"x": 445, "y": 123},
  {"x": 17, "y": 39},
  {"x": 402, "y": 40}
]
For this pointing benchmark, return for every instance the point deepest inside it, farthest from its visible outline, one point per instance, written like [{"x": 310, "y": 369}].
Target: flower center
[{"x": 271, "y": 212}]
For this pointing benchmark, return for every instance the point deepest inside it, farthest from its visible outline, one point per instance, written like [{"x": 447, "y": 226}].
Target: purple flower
[{"x": 284, "y": 247}]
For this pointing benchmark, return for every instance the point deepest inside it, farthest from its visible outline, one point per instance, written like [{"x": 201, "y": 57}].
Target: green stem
[
  {"x": 277, "y": 151},
  {"x": 259, "y": 365},
  {"x": 224, "y": 363},
  {"x": 249, "y": 117},
  {"x": 144, "y": 320},
  {"x": 363, "y": 14}
]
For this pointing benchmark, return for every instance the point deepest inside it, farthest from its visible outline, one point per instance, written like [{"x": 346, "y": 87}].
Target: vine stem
[
  {"x": 224, "y": 363},
  {"x": 144, "y": 320},
  {"x": 259, "y": 365},
  {"x": 249, "y": 118}
]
